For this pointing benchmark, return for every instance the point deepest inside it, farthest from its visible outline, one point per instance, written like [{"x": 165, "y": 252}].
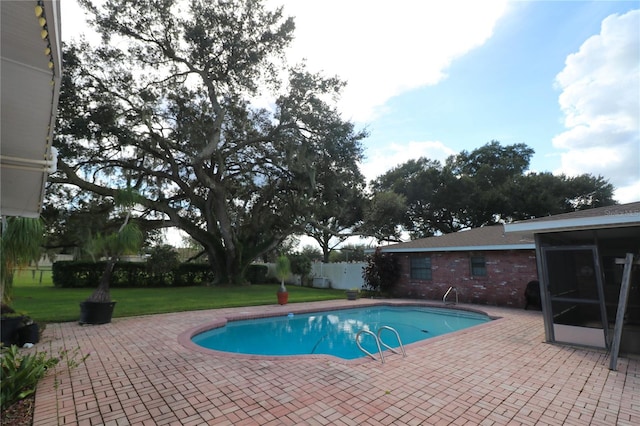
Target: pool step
[{"x": 380, "y": 343}]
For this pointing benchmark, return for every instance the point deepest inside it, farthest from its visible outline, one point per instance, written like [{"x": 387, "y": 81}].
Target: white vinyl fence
[{"x": 341, "y": 275}]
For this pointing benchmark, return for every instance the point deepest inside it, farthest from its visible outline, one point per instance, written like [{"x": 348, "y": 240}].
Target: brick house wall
[{"x": 507, "y": 275}]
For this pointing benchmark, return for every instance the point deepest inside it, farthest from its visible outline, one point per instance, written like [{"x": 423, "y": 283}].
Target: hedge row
[{"x": 73, "y": 274}]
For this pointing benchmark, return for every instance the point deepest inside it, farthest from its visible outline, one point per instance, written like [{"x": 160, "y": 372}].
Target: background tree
[
  {"x": 543, "y": 194},
  {"x": 73, "y": 220},
  {"x": 435, "y": 198},
  {"x": 339, "y": 214},
  {"x": 486, "y": 186},
  {"x": 313, "y": 253},
  {"x": 350, "y": 253},
  {"x": 587, "y": 191},
  {"x": 488, "y": 172},
  {"x": 418, "y": 181},
  {"x": 383, "y": 216},
  {"x": 168, "y": 107}
]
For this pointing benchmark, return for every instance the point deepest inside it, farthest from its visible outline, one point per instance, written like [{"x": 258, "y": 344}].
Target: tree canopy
[
  {"x": 168, "y": 105},
  {"x": 485, "y": 186},
  {"x": 339, "y": 214}
]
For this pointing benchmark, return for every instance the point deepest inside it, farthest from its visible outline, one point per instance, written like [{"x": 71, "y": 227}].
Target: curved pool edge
[{"x": 185, "y": 338}]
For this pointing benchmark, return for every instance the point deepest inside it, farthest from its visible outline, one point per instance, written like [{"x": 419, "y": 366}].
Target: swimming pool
[{"x": 334, "y": 332}]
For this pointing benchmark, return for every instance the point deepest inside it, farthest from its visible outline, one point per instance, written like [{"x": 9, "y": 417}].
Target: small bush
[
  {"x": 193, "y": 274},
  {"x": 381, "y": 272},
  {"x": 257, "y": 274},
  {"x": 301, "y": 265},
  {"x": 161, "y": 265},
  {"x": 21, "y": 373},
  {"x": 71, "y": 274},
  {"x": 129, "y": 274}
]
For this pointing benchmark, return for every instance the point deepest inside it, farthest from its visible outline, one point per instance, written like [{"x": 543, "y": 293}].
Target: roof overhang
[
  {"x": 30, "y": 82},
  {"x": 613, "y": 220},
  {"x": 505, "y": 247}
]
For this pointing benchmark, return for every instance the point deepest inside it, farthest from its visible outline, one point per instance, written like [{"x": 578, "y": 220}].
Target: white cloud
[
  {"x": 600, "y": 100},
  {"x": 74, "y": 22},
  {"x": 382, "y": 48},
  {"x": 380, "y": 161},
  {"x": 629, "y": 193}
]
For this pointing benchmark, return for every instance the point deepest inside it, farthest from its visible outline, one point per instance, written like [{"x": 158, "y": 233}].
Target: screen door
[{"x": 575, "y": 295}]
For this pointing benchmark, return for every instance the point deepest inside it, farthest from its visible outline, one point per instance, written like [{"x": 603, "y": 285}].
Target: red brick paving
[{"x": 143, "y": 371}]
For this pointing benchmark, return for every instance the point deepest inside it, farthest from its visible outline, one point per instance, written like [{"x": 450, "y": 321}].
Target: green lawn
[{"x": 45, "y": 303}]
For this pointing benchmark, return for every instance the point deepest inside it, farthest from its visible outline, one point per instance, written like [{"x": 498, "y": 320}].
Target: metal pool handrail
[
  {"x": 455, "y": 290},
  {"x": 380, "y": 342},
  {"x": 386, "y": 327},
  {"x": 366, "y": 351}
]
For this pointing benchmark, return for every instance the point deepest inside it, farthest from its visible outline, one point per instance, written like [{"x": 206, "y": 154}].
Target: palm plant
[
  {"x": 21, "y": 239},
  {"x": 283, "y": 270},
  {"x": 128, "y": 238}
]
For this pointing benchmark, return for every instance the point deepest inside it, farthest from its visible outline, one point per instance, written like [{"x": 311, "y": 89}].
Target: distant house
[{"x": 484, "y": 265}]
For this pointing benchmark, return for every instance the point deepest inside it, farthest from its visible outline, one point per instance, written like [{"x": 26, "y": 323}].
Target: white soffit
[
  {"x": 606, "y": 221},
  {"x": 29, "y": 88},
  {"x": 523, "y": 246}
]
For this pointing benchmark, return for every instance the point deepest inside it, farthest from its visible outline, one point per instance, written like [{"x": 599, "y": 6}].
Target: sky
[{"x": 433, "y": 78}]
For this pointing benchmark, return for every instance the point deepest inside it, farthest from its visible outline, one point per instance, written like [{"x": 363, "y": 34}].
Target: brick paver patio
[{"x": 501, "y": 373}]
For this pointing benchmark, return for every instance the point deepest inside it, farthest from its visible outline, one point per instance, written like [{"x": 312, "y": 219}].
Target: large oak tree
[{"x": 167, "y": 105}]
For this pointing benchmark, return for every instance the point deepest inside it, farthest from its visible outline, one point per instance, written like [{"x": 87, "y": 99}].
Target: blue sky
[
  {"x": 452, "y": 76},
  {"x": 432, "y": 78},
  {"x": 504, "y": 89}
]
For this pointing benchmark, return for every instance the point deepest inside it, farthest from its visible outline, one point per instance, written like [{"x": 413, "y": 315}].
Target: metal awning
[{"x": 30, "y": 83}]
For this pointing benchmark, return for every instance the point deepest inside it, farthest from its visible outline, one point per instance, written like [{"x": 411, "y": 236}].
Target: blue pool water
[{"x": 334, "y": 332}]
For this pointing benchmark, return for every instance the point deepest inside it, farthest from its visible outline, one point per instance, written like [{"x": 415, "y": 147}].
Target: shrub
[
  {"x": 21, "y": 373},
  {"x": 71, "y": 274},
  {"x": 257, "y": 274},
  {"x": 193, "y": 274},
  {"x": 129, "y": 274},
  {"x": 381, "y": 272},
  {"x": 300, "y": 265},
  {"x": 161, "y": 265}
]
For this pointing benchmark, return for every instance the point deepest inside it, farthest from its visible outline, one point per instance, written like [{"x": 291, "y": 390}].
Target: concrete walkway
[{"x": 502, "y": 373}]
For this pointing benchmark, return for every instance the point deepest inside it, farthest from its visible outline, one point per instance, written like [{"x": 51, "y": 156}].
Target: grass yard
[{"x": 45, "y": 303}]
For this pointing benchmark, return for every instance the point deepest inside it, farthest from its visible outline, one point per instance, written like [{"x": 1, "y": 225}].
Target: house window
[
  {"x": 421, "y": 268},
  {"x": 478, "y": 266}
]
